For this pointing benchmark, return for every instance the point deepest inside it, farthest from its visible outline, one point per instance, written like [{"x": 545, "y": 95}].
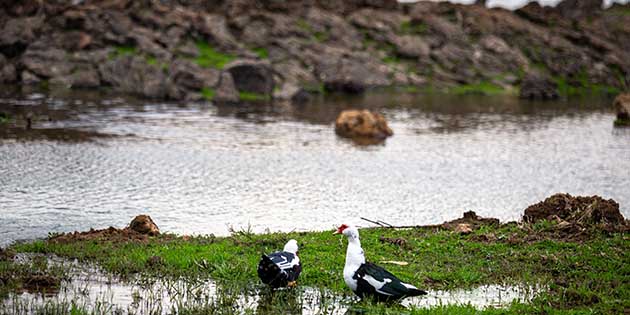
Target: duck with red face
[{"x": 366, "y": 279}]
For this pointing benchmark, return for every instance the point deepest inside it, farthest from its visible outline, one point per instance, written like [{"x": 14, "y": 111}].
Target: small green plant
[
  {"x": 391, "y": 60},
  {"x": 210, "y": 58},
  {"x": 152, "y": 60},
  {"x": 262, "y": 53},
  {"x": 252, "y": 97},
  {"x": 305, "y": 26},
  {"x": 4, "y": 118},
  {"x": 622, "y": 122},
  {"x": 315, "y": 88},
  {"x": 208, "y": 93},
  {"x": 481, "y": 88},
  {"x": 417, "y": 28},
  {"x": 120, "y": 51}
]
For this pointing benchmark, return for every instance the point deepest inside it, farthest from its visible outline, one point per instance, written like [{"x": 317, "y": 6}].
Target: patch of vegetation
[
  {"x": 152, "y": 61},
  {"x": 410, "y": 28},
  {"x": 262, "y": 53},
  {"x": 252, "y": 97},
  {"x": 318, "y": 36},
  {"x": 481, "y": 88},
  {"x": 120, "y": 51},
  {"x": 210, "y": 58},
  {"x": 391, "y": 60},
  {"x": 208, "y": 93},
  {"x": 315, "y": 88},
  {"x": 622, "y": 122},
  {"x": 590, "y": 275},
  {"x": 157, "y": 63},
  {"x": 583, "y": 87},
  {"x": 34, "y": 275},
  {"x": 4, "y": 118},
  {"x": 619, "y": 10},
  {"x": 304, "y": 25}
]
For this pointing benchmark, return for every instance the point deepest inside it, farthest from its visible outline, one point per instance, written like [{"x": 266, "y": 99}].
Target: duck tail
[{"x": 416, "y": 292}]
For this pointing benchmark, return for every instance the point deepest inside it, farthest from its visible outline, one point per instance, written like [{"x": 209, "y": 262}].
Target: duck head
[
  {"x": 349, "y": 231},
  {"x": 291, "y": 246}
]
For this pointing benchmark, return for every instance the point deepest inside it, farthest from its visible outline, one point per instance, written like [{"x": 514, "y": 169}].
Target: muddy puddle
[{"x": 86, "y": 287}]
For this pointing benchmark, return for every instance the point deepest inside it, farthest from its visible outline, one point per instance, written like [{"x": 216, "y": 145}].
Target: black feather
[{"x": 391, "y": 291}]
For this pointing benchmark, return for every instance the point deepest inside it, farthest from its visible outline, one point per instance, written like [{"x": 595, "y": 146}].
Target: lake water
[{"x": 95, "y": 160}]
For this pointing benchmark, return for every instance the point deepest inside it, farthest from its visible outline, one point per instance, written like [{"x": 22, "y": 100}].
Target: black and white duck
[
  {"x": 366, "y": 279},
  {"x": 281, "y": 269}
]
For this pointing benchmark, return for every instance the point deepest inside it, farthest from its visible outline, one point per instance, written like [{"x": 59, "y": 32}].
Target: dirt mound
[
  {"x": 143, "y": 224},
  {"x": 110, "y": 234},
  {"x": 140, "y": 228},
  {"x": 472, "y": 220},
  {"x": 575, "y": 210}
]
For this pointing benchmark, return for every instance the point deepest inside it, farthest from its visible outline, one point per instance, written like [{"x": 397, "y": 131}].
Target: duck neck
[{"x": 354, "y": 253}]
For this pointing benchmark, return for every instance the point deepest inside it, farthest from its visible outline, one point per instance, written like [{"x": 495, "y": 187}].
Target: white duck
[{"x": 366, "y": 279}]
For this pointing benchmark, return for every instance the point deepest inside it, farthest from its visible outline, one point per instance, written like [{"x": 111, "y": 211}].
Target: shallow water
[
  {"x": 95, "y": 160},
  {"x": 93, "y": 290}
]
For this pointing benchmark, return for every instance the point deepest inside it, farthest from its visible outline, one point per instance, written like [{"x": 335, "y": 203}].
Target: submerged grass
[
  {"x": 481, "y": 88},
  {"x": 586, "y": 276},
  {"x": 252, "y": 97}
]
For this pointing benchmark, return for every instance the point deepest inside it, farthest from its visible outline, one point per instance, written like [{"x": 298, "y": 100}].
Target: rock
[
  {"x": 132, "y": 74},
  {"x": 28, "y": 78},
  {"x": 463, "y": 229},
  {"x": 362, "y": 124},
  {"x": 291, "y": 92},
  {"x": 226, "y": 90},
  {"x": 216, "y": 29},
  {"x": 575, "y": 9},
  {"x": 86, "y": 77},
  {"x": 582, "y": 210},
  {"x": 252, "y": 76},
  {"x": 622, "y": 107},
  {"x": 18, "y": 33},
  {"x": 143, "y": 224},
  {"x": 47, "y": 62},
  {"x": 350, "y": 75},
  {"x": 536, "y": 86},
  {"x": 189, "y": 75},
  {"x": 411, "y": 46},
  {"x": 7, "y": 71}
]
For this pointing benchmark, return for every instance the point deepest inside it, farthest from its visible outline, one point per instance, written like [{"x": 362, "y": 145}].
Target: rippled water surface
[{"x": 94, "y": 160}]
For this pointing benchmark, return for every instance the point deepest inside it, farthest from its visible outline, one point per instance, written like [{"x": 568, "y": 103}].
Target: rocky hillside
[{"x": 255, "y": 50}]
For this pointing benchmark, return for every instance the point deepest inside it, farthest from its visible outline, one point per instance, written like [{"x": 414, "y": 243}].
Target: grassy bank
[{"x": 586, "y": 275}]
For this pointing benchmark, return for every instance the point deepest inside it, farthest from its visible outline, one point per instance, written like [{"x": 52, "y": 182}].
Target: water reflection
[
  {"x": 98, "y": 159},
  {"x": 89, "y": 288}
]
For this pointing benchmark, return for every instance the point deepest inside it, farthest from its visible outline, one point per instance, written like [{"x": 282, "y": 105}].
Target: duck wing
[
  {"x": 375, "y": 280},
  {"x": 279, "y": 268}
]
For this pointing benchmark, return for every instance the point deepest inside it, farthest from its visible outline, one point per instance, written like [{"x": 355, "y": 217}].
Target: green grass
[
  {"x": 620, "y": 122},
  {"x": 315, "y": 88},
  {"x": 210, "y": 58},
  {"x": 262, "y": 53},
  {"x": 575, "y": 273},
  {"x": 482, "y": 88},
  {"x": 4, "y": 118},
  {"x": 252, "y": 97},
  {"x": 208, "y": 93},
  {"x": 408, "y": 27},
  {"x": 317, "y": 36},
  {"x": 120, "y": 51},
  {"x": 585, "y": 87}
]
